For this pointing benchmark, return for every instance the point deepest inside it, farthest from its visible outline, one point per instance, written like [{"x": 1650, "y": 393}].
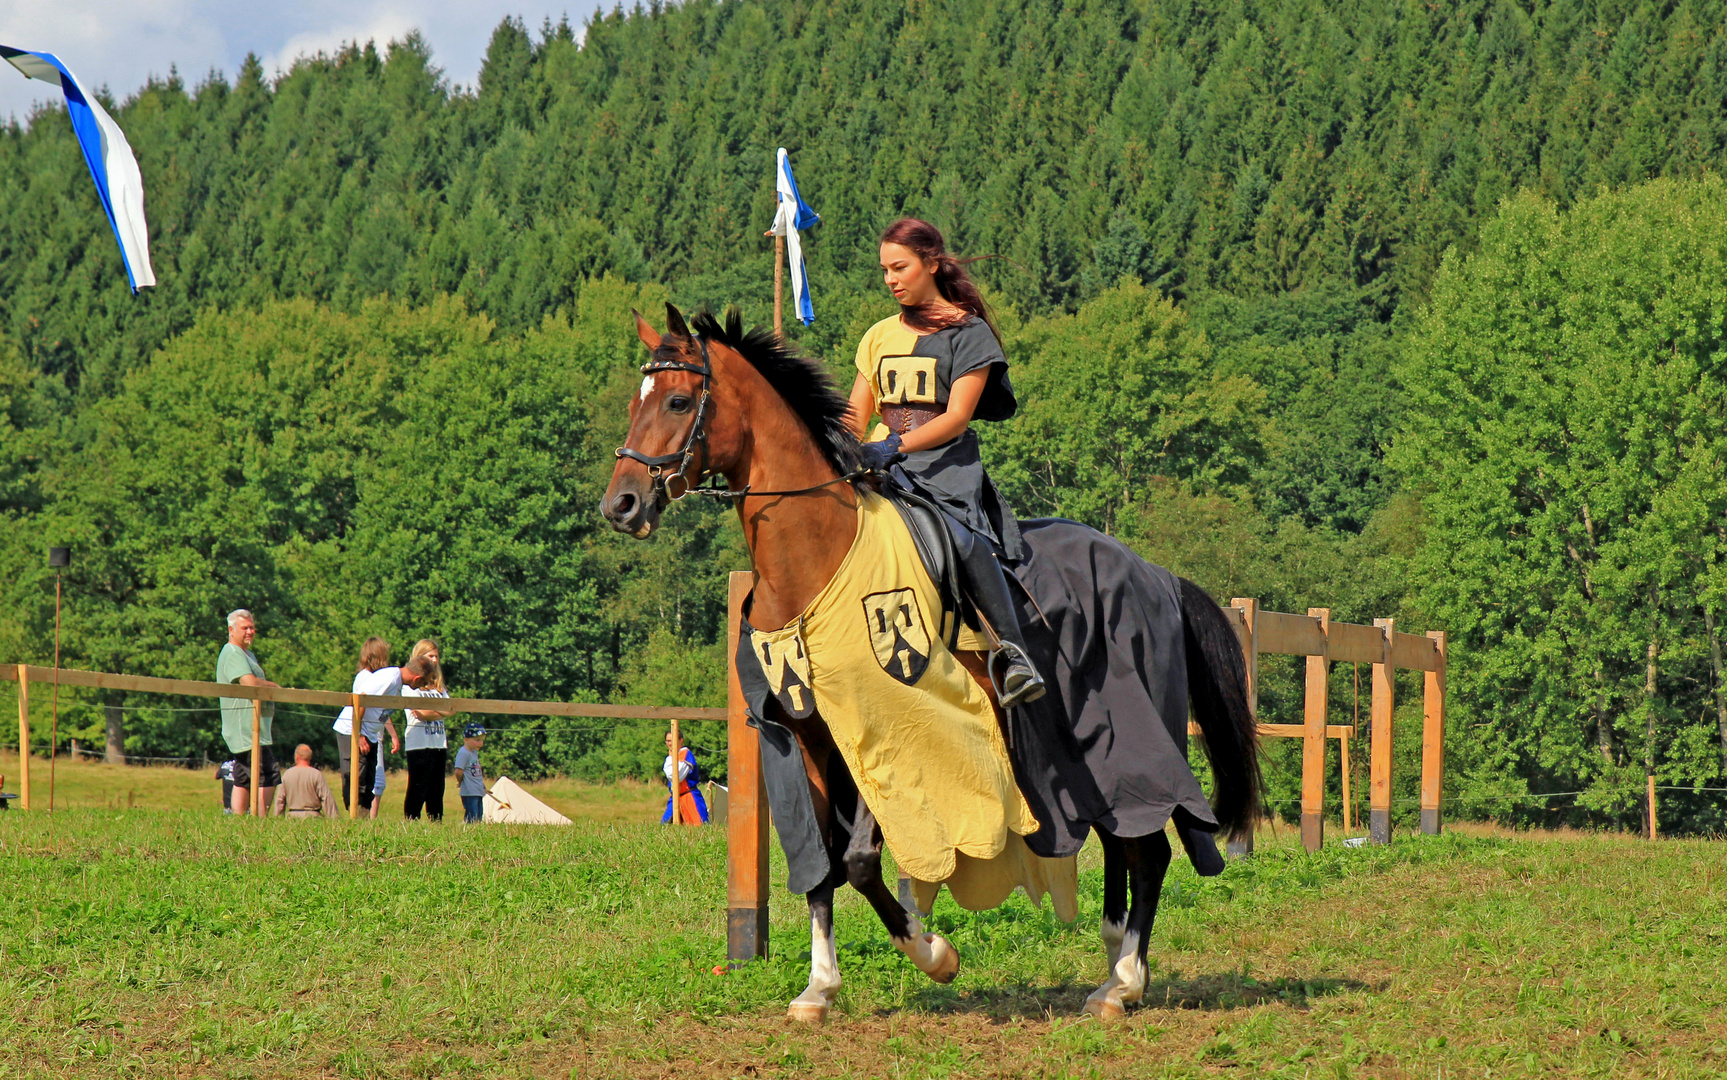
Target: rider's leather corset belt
[{"x": 903, "y": 419}]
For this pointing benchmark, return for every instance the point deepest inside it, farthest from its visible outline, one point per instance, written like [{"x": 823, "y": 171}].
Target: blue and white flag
[
  {"x": 794, "y": 214},
  {"x": 112, "y": 165}
]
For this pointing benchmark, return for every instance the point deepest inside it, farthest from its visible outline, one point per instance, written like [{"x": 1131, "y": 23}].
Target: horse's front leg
[
  {"x": 812, "y": 1005},
  {"x": 932, "y": 954},
  {"x": 1147, "y": 860}
]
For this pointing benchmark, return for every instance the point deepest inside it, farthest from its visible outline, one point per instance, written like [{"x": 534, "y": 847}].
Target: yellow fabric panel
[
  {"x": 927, "y": 754},
  {"x": 969, "y": 640},
  {"x": 886, "y": 338},
  {"x": 979, "y": 884},
  {"x": 906, "y": 380}
]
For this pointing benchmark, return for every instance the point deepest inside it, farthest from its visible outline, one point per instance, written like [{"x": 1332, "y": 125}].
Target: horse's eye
[{"x": 678, "y": 403}]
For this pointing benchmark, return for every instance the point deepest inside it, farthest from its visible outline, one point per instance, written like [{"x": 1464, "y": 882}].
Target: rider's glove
[{"x": 877, "y": 456}]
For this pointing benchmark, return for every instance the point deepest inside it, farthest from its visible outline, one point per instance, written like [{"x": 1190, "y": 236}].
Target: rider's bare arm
[
  {"x": 961, "y": 403},
  {"x": 862, "y": 407}
]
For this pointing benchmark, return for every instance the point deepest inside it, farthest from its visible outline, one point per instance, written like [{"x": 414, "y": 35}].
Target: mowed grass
[{"x": 180, "y": 943}]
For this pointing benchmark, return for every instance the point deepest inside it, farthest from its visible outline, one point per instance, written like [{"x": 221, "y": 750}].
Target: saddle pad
[{"x": 917, "y": 733}]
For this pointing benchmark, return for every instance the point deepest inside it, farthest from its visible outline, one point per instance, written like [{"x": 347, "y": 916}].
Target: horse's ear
[
  {"x": 675, "y": 321},
  {"x": 650, "y": 337}
]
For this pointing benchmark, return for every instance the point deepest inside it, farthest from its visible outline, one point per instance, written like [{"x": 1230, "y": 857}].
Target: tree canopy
[{"x": 1567, "y": 428}]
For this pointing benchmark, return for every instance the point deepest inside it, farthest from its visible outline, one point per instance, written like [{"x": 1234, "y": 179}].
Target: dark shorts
[
  {"x": 368, "y": 769},
  {"x": 272, "y": 776}
]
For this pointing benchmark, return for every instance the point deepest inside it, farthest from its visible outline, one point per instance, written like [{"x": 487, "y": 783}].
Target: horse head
[{"x": 669, "y": 446}]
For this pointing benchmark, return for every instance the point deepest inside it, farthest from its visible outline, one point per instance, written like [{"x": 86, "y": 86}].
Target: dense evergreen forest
[{"x": 1402, "y": 309}]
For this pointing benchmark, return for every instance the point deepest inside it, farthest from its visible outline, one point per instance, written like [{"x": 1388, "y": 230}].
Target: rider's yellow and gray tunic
[{"x": 912, "y": 377}]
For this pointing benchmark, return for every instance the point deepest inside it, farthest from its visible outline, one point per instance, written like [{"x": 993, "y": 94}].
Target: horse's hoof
[
  {"x": 946, "y": 966},
  {"x": 1105, "y": 1009},
  {"x": 803, "y": 1012}
]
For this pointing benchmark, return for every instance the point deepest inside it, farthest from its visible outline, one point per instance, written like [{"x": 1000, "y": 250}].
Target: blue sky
[{"x": 121, "y": 43}]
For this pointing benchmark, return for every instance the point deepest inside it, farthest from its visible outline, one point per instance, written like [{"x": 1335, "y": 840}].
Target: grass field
[{"x": 179, "y": 943}]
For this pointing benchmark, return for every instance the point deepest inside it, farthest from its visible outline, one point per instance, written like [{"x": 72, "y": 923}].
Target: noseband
[{"x": 697, "y": 437}]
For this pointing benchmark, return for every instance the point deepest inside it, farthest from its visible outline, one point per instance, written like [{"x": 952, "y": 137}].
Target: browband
[{"x": 675, "y": 365}]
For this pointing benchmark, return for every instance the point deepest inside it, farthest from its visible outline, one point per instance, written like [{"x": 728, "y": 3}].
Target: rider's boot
[{"x": 986, "y": 584}]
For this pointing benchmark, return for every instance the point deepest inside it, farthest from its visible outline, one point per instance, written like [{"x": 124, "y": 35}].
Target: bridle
[{"x": 697, "y": 437}]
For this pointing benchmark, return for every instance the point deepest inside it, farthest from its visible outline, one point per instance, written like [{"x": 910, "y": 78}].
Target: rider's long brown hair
[{"x": 955, "y": 285}]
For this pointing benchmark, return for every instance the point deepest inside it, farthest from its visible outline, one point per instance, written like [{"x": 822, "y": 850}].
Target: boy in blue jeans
[{"x": 473, "y": 788}]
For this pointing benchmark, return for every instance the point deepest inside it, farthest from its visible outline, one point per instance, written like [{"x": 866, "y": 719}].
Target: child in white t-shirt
[{"x": 424, "y": 740}]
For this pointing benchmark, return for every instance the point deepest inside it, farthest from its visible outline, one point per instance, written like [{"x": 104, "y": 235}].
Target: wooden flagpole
[{"x": 779, "y": 283}]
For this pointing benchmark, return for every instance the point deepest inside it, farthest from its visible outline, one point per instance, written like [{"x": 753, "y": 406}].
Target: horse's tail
[{"x": 1217, "y": 683}]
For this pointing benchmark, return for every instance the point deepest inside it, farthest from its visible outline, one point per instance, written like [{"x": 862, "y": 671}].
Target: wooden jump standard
[
  {"x": 1323, "y": 641},
  {"x": 1314, "y": 636}
]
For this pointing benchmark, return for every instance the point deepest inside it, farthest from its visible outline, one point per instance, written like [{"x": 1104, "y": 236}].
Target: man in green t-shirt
[{"x": 236, "y": 664}]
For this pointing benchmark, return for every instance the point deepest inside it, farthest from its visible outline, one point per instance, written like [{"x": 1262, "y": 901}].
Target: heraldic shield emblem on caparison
[
  {"x": 899, "y": 634},
  {"x": 786, "y": 665}
]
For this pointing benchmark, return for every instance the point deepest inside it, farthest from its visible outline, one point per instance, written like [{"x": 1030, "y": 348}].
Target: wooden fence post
[
  {"x": 1348, "y": 795},
  {"x": 747, "y": 814},
  {"x": 257, "y": 757},
  {"x": 1379, "y": 750},
  {"x": 24, "y": 736},
  {"x": 1433, "y": 738},
  {"x": 1249, "y": 633},
  {"x": 354, "y": 759},
  {"x": 1313, "y": 738}
]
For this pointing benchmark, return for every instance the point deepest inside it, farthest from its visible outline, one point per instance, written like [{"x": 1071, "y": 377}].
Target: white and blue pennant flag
[
  {"x": 112, "y": 166},
  {"x": 794, "y": 214}
]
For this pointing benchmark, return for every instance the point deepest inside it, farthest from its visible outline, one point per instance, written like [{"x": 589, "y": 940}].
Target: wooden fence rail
[{"x": 25, "y": 674}]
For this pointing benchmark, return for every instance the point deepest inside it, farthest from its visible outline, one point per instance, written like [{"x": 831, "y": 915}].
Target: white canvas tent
[{"x": 508, "y": 804}]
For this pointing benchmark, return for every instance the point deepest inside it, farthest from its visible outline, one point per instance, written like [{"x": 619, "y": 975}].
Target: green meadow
[{"x": 179, "y": 943}]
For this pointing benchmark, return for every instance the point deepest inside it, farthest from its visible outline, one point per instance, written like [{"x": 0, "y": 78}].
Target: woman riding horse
[
  {"x": 1126, "y": 647},
  {"x": 931, "y": 369}
]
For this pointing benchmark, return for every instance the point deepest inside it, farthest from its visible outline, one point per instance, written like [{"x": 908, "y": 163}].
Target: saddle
[{"x": 933, "y": 539}]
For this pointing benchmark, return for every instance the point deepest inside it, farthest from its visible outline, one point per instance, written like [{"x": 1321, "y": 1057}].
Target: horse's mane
[{"x": 802, "y": 381}]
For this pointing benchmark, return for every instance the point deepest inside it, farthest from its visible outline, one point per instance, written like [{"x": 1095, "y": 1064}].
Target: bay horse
[{"x": 773, "y": 425}]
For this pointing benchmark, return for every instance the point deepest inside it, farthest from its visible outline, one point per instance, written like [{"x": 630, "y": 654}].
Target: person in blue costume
[
  {"x": 686, "y": 788},
  {"x": 930, "y": 370}
]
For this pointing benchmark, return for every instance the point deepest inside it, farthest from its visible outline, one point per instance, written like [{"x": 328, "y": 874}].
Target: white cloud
[
  {"x": 113, "y": 43},
  {"x": 122, "y": 43},
  {"x": 382, "y": 27}
]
